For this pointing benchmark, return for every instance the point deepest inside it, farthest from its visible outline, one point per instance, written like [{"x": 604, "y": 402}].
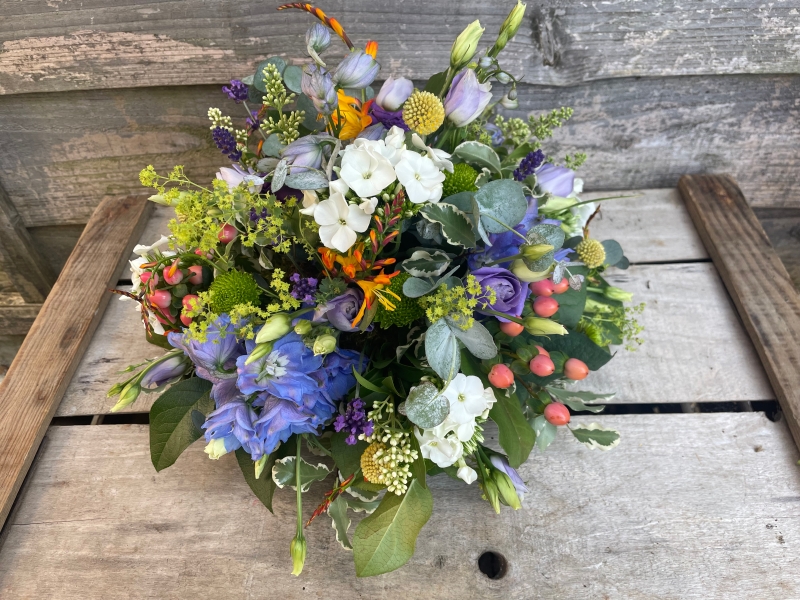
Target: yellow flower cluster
[
  {"x": 458, "y": 303},
  {"x": 423, "y": 112},
  {"x": 285, "y": 300},
  {"x": 389, "y": 455}
]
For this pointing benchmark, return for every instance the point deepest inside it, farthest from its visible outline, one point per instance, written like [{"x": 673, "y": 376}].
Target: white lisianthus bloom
[
  {"x": 366, "y": 171},
  {"x": 439, "y": 157},
  {"x": 584, "y": 211},
  {"x": 420, "y": 177},
  {"x": 310, "y": 202},
  {"x": 468, "y": 398},
  {"x": 438, "y": 447},
  {"x": 339, "y": 221},
  {"x": 368, "y": 205}
]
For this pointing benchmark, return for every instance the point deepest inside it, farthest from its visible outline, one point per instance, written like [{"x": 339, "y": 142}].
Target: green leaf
[
  {"x": 346, "y": 457},
  {"x": 423, "y": 263},
  {"x": 358, "y": 504},
  {"x": 426, "y": 407},
  {"x": 456, "y": 225},
  {"x": 172, "y": 429},
  {"x": 502, "y": 202},
  {"x": 577, "y": 400},
  {"x": 337, "y": 511},
  {"x": 477, "y": 339},
  {"x": 310, "y": 120},
  {"x": 572, "y": 302},
  {"x": 478, "y": 154},
  {"x": 264, "y": 486},
  {"x": 420, "y": 287},
  {"x": 576, "y": 345},
  {"x": 386, "y": 539},
  {"x": 418, "y": 468},
  {"x": 613, "y": 252},
  {"x": 436, "y": 83},
  {"x": 368, "y": 384},
  {"x": 258, "y": 78},
  {"x": 292, "y": 76},
  {"x": 306, "y": 180},
  {"x": 516, "y": 435},
  {"x": 283, "y": 473},
  {"x": 594, "y": 435},
  {"x": 441, "y": 349},
  {"x": 545, "y": 432}
]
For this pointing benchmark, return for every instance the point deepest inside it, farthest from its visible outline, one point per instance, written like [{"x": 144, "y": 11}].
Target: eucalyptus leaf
[
  {"x": 292, "y": 76},
  {"x": 279, "y": 175},
  {"x": 272, "y": 147},
  {"x": 478, "y": 154},
  {"x": 310, "y": 120},
  {"x": 441, "y": 349},
  {"x": 456, "y": 225},
  {"x": 247, "y": 80},
  {"x": 267, "y": 164},
  {"x": 502, "y": 205},
  {"x": 414, "y": 287},
  {"x": 545, "y": 432},
  {"x": 426, "y": 407},
  {"x": 544, "y": 233},
  {"x": 306, "y": 180},
  {"x": 594, "y": 436},
  {"x": 477, "y": 339},
  {"x": 283, "y": 473},
  {"x": 613, "y": 252},
  {"x": 337, "y": 511}
]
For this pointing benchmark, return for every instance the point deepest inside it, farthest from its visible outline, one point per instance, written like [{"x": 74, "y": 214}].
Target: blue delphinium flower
[
  {"x": 280, "y": 418},
  {"x": 231, "y": 427},
  {"x": 336, "y": 375},
  {"x": 284, "y": 372},
  {"x": 215, "y": 358}
]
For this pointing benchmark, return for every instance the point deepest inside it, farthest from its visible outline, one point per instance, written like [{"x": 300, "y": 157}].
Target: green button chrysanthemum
[
  {"x": 231, "y": 289},
  {"x": 462, "y": 179},
  {"x": 406, "y": 311}
]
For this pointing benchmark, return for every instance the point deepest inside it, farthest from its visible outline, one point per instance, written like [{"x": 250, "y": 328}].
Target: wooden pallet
[{"x": 688, "y": 506}]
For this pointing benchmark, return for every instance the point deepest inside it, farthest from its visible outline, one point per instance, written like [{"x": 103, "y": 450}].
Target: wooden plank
[
  {"x": 757, "y": 281},
  {"x": 782, "y": 226},
  {"x": 97, "y": 44},
  {"x": 67, "y": 151},
  {"x": 16, "y": 315},
  {"x": 39, "y": 375},
  {"x": 665, "y": 515},
  {"x": 20, "y": 258},
  {"x": 691, "y": 329}
]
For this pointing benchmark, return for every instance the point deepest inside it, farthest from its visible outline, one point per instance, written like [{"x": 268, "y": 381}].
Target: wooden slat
[
  {"x": 783, "y": 228},
  {"x": 39, "y": 375},
  {"x": 687, "y": 507},
  {"x": 756, "y": 279},
  {"x": 97, "y": 44},
  {"x": 20, "y": 258},
  {"x": 18, "y": 317}
]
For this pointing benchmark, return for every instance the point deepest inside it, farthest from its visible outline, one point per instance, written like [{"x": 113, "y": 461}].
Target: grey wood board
[
  {"x": 686, "y": 507},
  {"x": 68, "y": 150},
  {"x": 49, "y": 46},
  {"x": 695, "y": 348},
  {"x": 783, "y": 228}
]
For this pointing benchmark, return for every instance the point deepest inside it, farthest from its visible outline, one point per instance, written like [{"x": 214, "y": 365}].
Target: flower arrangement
[{"x": 377, "y": 279}]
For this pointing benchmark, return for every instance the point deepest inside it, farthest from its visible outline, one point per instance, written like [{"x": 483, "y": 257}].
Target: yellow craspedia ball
[
  {"x": 591, "y": 253},
  {"x": 423, "y": 112},
  {"x": 369, "y": 468}
]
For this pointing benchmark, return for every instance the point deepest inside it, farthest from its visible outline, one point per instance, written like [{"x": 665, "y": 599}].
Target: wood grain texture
[
  {"x": 44, "y": 366},
  {"x": 50, "y": 46},
  {"x": 70, "y": 149},
  {"x": 16, "y": 315},
  {"x": 687, "y": 507},
  {"x": 782, "y": 226},
  {"x": 20, "y": 258},
  {"x": 757, "y": 281}
]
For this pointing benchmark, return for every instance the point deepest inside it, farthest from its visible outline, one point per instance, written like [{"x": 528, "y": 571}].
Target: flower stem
[
  {"x": 298, "y": 481},
  {"x": 502, "y": 260},
  {"x": 499, "y": 314},
  {"x": 511, "y": 229}
]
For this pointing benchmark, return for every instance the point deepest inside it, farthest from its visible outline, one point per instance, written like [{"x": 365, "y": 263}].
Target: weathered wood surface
[
  {"x": 44, "y": 366},
  {"x": 757, "y": 281},
  {"x": 49, "y": 46},
  {"x": 69, "y": 150},
  {"x": 16, "y": 315},
  {"x": 782, "y": 225},
  {"x": 686, "y": 507}
]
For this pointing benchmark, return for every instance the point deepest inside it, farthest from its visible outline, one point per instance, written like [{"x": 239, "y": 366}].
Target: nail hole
[{"x": 493, "y": 565}]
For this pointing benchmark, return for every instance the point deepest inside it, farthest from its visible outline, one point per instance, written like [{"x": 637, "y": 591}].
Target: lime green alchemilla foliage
[
  {"x": 405, "y": 312},
  {"x": 231, "y": 289},
  {"x": 462, "y": 179},
  {"x": 458, "y": 303}
]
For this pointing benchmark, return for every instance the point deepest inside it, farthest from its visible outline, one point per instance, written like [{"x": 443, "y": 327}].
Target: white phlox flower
[
  {"x": 366, "y": 170},
  {"x": 420, "y": 177},
  {"x": 340, "y": 222},
  {"x": 468, "y": 398},
  {"x": 310, "y": 202},
  {"x": 439, "y": 157},
  {"x": 438, "y": 447}
]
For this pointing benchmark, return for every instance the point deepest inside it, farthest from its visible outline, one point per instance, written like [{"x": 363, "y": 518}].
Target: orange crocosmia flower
[
  {"x": 355, "y": 117},
  {"x": 372, "y": 48},
  {"x": 328, "y": 257},
  {"x": 375, "y": 287}
]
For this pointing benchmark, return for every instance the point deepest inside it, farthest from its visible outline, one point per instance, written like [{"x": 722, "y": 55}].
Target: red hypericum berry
[
  {"x": 189, "y": 300},
  {"x": 172, "y": 274},
  {"x": 208, "y": 254},
  {"x": 545, "y": 307},
  {"x": 227, "y": 234},
  {"x": 542, "y": 366},
  {"x": 160, "y": 298},
  {"x": 556, "y": 413},
  {"x": 561, "y": 287},
  {"x": 511, "y": 328},
  {"x": 542, "y": 351},
  {"x": 186, "y": 320},
  {"x": 145, "y": 277},
  {"x": 544, "y": 287},
  {"x": 197, "y": 275},
  {"x": 501, "y": 376},
  {"x": 575, "y": 369}
]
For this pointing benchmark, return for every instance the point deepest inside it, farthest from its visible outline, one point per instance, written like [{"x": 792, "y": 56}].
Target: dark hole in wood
[{"x": 493, "y": 565}]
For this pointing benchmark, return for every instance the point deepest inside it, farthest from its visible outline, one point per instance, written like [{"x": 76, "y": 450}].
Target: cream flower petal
[{"x": 357, "y": 219}]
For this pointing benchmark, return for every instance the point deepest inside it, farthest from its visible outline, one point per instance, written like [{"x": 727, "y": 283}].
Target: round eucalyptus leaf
[
  {"x": 426, "y": 407},
  {"x": 502, "y": 205},
  {"x": 292, "y": 76}
]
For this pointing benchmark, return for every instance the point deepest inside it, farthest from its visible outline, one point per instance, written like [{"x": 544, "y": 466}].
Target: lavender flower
[
  {"x": 226, "y": 143},
  {"x": 236, "y": 91},
  {"x": 304, "y": 288},
  {"x": 354, "y": 420},
  {"x": 253, "y": 122},
  {"x": 255, "y": 217},
  {"x": 528, "y": 165}
]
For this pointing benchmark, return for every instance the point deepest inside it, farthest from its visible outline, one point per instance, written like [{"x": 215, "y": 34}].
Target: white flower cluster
[
  {"x": 136, "y": 274},
  {"x": 444, "y": 444},
  {"x": 394, "y": 459},
  {"x": 367, "y": 168}
]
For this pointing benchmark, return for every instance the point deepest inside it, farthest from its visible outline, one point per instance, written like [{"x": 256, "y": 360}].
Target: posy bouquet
[{"x": 376, "y": 279}]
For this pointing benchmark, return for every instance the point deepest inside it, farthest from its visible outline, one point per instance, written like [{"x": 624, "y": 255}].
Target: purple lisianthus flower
[
  {"x": 317, "y": 84},
  {"x": 356, "y": 71},
  {"x": 388, "y": 118},
  {"x": 341, "y": 311},
  {"x": 215, "y": 358},
  {"x": 280, "y": 418},
  {"x": 306, "y": 152},
  {"x": 234, "y": 423},
  {"x": 510, "y": 292},
  {"x": 236, "y": 91},
  {"x": 303, "y": 288},
  {"x": 559, "y": 181},
  {"x": 501, "y": 464},
  {"x": 165, "y": 372},
  {"x": 354, "y": 421},
  {"x": 235, "y": 176},
  {"x": 467, "y": 98},
  {"x": 394, "y": 93},
  {"x": 283, "y": 372}
]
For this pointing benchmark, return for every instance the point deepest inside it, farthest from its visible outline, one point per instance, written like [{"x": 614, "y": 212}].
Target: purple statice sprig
[
  {"x": 226, "y": 143},
  {"x": 236, "y": 91},
  {"x": 354, "y": 421},
  {"x": 304, "y": 288},
  {"x": 528, "y": 165}
]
